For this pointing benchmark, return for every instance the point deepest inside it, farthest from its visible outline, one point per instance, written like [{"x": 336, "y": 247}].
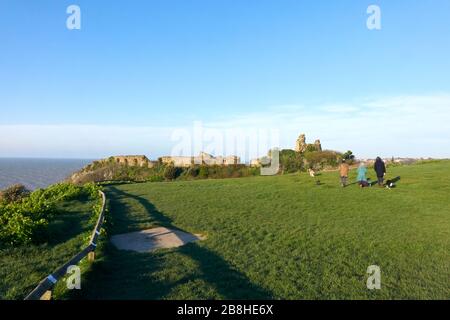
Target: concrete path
[{"x": 153, "y": 239}]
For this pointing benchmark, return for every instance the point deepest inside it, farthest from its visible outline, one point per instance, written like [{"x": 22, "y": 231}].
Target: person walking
[
  {"x": 343, "y": 171},
  {"x": 362, "y": 179},
  {"x": 380, "y": 169}
]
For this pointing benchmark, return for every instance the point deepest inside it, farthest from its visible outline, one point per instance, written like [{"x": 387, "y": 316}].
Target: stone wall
[
  {"x": 133, "y": 161},
  {"x": 177, "y": 161},
  {"x": 202, "y": 158}
]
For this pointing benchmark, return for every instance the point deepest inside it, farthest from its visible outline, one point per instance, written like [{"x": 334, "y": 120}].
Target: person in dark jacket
[{"x": 380, "y": 169}]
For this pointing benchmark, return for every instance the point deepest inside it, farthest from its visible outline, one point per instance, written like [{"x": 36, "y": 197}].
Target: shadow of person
[
  {"x": 396, "y": 179},
  {"x": 125, "y": 218}
]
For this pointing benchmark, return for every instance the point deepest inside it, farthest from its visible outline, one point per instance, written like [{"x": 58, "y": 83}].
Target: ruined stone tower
[
  {"x": 301, "y": 145},
  {"x": 318, "y": 145}
]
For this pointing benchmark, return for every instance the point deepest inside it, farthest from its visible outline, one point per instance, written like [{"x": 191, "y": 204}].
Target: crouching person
[{"x": 362, "y": 179}]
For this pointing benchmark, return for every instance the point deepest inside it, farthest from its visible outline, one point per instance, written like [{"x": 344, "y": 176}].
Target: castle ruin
[
  {"x": 203, "y": 158},
  {"x": 301, "y": 145},
  {"x": 133, "y": 161}
]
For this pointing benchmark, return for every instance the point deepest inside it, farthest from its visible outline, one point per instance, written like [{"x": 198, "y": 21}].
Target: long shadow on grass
[
  {"x": 68, "y": 223},
  {"x": 130, "y": 275},
  {"x": 126, "y": 219}
]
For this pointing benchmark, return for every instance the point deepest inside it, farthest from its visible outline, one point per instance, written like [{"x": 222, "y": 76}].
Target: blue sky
[{"x": 138, "y": 70}]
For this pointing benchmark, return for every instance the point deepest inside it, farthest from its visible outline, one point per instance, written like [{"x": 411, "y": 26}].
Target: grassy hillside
[
  {"x": 283, "y": 237},
  {"x": 23, "y": 267}
]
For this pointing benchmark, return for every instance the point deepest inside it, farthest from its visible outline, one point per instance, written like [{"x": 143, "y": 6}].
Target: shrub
[
  {"x": 215, "y": 172},
  {"x": 322, "y": 159},
  {"x": 26, "y": 221},
  {"x": 156, "y": 178},
  {"x": 171, "y": 172},
  {"x": 18, "y": 226},
  {"x": 193, "y": 172},
  {"x": 290, "y": 161},
  {"x": 311, "y": 148},
  {"x": 22, "y": 222},
  {"x": 14, "y": 193},
  {"x": 113, "y": 171},
  {"x": 110, "y": 171},
  {"x": 66, "y": 191},
  {"x": 203, "y": 172}
]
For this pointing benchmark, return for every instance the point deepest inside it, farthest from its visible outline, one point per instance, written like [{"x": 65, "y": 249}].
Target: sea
[{"x": 37, "y": 173}]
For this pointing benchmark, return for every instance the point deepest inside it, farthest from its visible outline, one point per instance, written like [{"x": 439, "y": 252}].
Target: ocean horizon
[{"x": 37, "y": 173}]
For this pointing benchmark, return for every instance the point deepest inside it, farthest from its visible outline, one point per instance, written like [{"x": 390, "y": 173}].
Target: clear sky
[{"x": 137, "y": 71}]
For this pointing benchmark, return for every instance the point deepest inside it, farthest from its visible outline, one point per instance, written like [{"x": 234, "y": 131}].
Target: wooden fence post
[
  {"x": 47, "y": 295},
  {"x": 91, "y": 256}
]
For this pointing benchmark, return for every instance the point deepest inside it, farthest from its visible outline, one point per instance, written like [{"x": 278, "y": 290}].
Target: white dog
[{"x": 312, "y": 173}]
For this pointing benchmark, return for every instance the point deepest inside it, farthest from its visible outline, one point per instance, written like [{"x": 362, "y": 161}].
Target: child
[{"x": 343, "y": 171}]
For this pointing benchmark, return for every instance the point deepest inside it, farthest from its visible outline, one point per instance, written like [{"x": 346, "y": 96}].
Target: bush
[
  {"x": 112, "y": 171},
  {"x": 193, "y": 172},
  {"x": 66, "y": 191},
  {"x": 311, "y": 148},
  {"x": 14, "y": 193},
  {"x": 156, "y": 178},
  {"x": 19, "y": 226},
  {"x": 171, "y": 172},
  {"x": 290, "y": 161},
  {"x": 109, "y": 171},
  {"x": 321, "y": 159},
  {"x": 26, "y": 221},
  {"x": 213, "y": 172},
  {"x": 203, "y": 172},
  {"x": 23, "y": 221}
]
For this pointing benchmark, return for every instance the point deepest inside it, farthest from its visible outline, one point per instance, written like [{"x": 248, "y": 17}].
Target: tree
[{"x": 348, "y": 155}]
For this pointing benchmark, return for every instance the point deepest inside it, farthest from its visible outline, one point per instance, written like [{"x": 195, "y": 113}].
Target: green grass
[
  {"x": 283, "y": 237},
  {"x": 22, "y": 268}
]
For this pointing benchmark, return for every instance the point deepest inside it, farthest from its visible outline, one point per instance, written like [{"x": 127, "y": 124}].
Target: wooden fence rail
[{"x": 44, "y": 288}]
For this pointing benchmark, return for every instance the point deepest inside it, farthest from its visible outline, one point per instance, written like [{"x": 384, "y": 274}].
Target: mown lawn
[
  {"x": 283, "y": 237},
  {"x": 22, "y": 268}
]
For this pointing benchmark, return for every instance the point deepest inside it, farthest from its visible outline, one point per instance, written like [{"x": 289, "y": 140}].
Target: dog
[
  {"x": 312, "y": 173},
  {"x": 391, "y": 183}
]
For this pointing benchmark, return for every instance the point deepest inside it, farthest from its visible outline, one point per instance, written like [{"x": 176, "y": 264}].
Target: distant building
[
  {"x": 255, "y": 163},
  {"x": 203, "y": 158},
  {"x": 177, "y": 161},
  {"x": 133, "y": 161}
]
